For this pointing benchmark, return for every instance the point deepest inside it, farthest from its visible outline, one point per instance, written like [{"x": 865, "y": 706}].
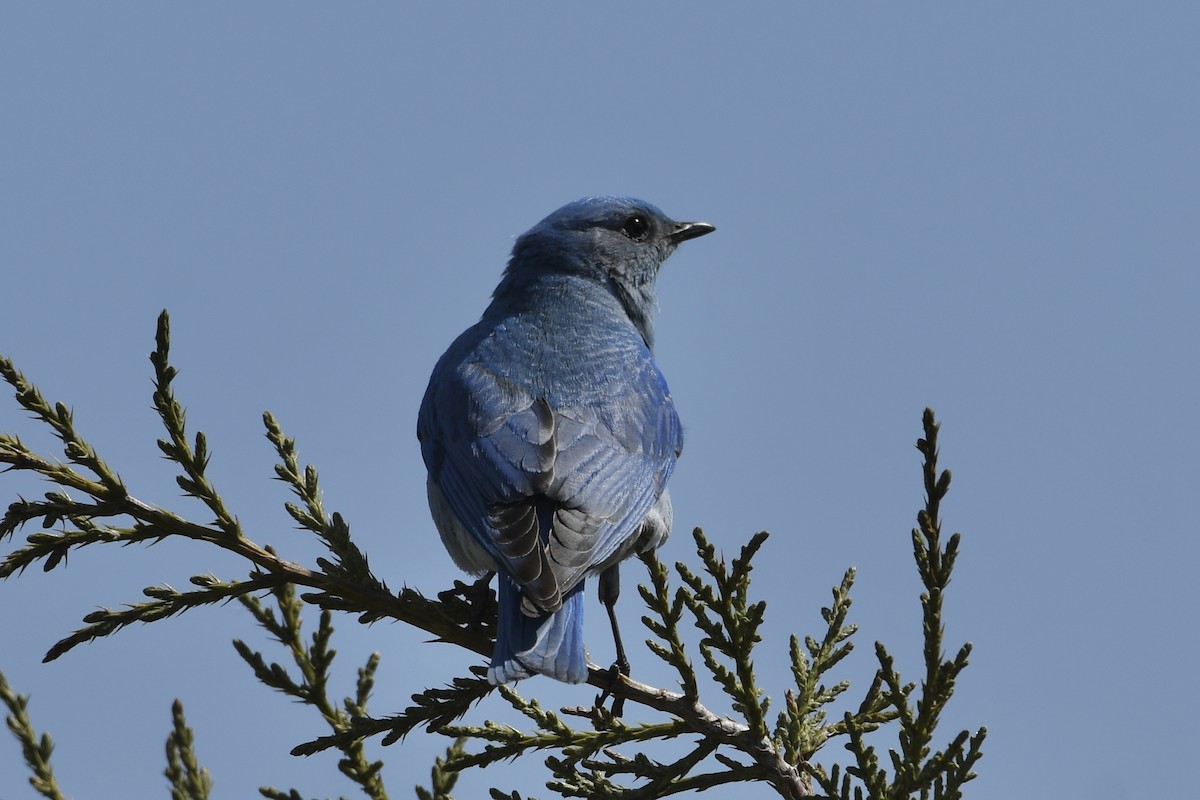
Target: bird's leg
[
  {"x": 610, "y": 590},
  {"x": 478, "y": 596}
]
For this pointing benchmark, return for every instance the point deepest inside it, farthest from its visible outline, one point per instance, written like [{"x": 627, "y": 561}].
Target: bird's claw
[
  {"x": 478, "y": 596},
  {"x": 615, "y": 673}
]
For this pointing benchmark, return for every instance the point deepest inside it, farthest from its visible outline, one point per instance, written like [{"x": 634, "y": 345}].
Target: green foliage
[
  {"x": 314, "y": 658},
  {"x": 36, "y": 749},
  {"x": 441, "y": 777},
  {"x": 915, "y": 770},
  {"x": 588, "y": 751},
  {"x": 188, "y": 780}
]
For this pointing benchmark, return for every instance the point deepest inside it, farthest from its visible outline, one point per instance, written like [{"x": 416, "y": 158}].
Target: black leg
[{"x": 610, "y": 590}]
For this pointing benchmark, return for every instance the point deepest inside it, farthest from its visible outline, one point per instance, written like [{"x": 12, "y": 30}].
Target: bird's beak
[{"x": 689, "y": 230}]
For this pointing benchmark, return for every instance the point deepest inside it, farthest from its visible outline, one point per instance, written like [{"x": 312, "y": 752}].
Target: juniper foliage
[
  {"x": 36, "y": 749},
  {"x": 589, "y": 751}
]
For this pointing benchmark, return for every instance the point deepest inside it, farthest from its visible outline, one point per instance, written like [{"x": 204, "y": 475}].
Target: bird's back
[{"x": 550, "y": 421}]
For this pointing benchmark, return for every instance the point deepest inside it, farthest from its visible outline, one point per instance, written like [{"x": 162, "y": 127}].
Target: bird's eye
[{"x": 636, "y": 228}]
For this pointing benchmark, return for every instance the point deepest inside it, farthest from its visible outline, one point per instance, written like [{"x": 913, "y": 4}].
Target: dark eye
[{"x": 636, "y": 228}]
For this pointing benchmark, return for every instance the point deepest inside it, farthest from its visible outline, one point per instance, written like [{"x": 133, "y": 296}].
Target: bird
[{"x": 549, "y": 433}]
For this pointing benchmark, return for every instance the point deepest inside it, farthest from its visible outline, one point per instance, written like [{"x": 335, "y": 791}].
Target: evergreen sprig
[
  {"x": 165, "y": 602},
  {"x": 192, "y": 458},
  {"x": 800, "y": 729},
  {"x": 111, "y": 515},
  {"x": 441, "y": 778},
  {"x": 604, "y": 757},
  {"x": 271, "y": 793},
  {"x": 916, "y": 769},
  {"x": 435, "y": 709},
  {"x": 730, "y": 624},
  {"x": 588, "y": 755},
  {"x": 188, "y": 780},
  {"x": 314, "y": 659},
  {"x": 669, "y": 612},
  {"x": 61, "y": 421},
  {"x": 36, "y": 749},
  {"x": 349, "y": 561}
]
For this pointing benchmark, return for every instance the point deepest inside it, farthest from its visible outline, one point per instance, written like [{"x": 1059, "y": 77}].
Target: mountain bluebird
[{"x": 549, "y": 432}]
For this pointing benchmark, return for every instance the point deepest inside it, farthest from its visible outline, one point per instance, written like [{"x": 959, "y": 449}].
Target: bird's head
[{"x": 618, "y": 242}]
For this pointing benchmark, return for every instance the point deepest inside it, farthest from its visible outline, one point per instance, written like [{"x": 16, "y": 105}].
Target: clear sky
[{"x": 990, "y": 209}]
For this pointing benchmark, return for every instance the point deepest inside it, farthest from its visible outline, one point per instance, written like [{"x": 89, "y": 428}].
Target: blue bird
[{"x": 549, "y": 433}]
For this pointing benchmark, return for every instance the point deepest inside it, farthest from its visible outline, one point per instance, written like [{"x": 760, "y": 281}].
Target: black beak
[{"x": 689, "y": 230}]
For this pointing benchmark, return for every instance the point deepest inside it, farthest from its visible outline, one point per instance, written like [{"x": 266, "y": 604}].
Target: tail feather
[{"x": 551, "y": 644}]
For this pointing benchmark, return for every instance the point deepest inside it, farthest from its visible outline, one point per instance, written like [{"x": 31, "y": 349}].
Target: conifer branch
[
  {"x": 670, "y": 611},
  {"x": 188, "y": 780},
  {"x": 441, "y": 778},
  {"x": 349, "y": 562},
  {"x": 343, "y": 583},
  {"x": 734, "y": 631},
  {"x": 916, "y": 769},
  {"x": 193, "y": 459},
  {"x": 435, "y": 709},
  {"x": 60, "y": 419},
  {"x": 271, "y": 793},
  {"x": 36, "y": 749},
  {"x": 314, "y": 658},
  {"x": 165, "y": 602},
  {"x": 582, "y": 761}
]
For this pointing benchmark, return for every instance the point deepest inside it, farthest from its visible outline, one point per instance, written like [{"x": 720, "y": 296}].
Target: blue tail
[{"x": 550, "y": 645}]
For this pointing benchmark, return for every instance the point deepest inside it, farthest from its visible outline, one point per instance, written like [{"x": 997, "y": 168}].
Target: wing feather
[{"x": 551, "y": 490}]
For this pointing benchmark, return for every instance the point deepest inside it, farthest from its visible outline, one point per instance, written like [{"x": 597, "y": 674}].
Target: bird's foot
[
  {"x": 478, "y": 596},
  {"x": 615, "y": 673}
]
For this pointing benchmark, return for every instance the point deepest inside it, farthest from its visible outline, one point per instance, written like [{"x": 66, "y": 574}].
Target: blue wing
[{"x": 549, "y": 479}]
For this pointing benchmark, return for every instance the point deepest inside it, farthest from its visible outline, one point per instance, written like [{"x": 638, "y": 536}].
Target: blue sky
[{"x": 987, "y": 209}]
